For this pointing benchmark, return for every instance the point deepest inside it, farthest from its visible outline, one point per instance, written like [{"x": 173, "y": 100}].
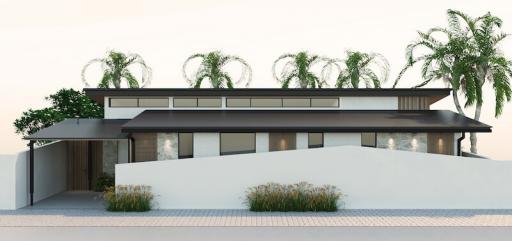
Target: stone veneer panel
[
  {"x": 167, "y": 146},
  {"x": 416, "y": 142},
  {"x": 109, "y": 157}
]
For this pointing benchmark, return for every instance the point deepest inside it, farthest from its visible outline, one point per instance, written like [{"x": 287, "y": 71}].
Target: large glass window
[
  {"x": 185, "y": 145},
  {"x": 325, "y": 102},
  {"x": 368, "y": 139},
  {"x": 267, "y": 102},
  {"x": 238, "y": 102},
  {"x": 315, "y": 140},
  {"x": 282, "y": 141},
  {"x": 209, "y": 102},
  {"x": 185, "y": 102},
  {"x": 237, "y": 143},
  {"x": 153, "y": 102},
  {"x": 123, "y": 102}
]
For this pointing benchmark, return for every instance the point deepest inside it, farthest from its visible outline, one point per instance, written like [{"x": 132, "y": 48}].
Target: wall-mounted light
[
  {"x": 440, "y": 145},
  {"x": 391, "y": 143},
  {"x": 414, "y": 144},
  {"x": 167, "y": 146},
  {"x": 282, "y": 144}
]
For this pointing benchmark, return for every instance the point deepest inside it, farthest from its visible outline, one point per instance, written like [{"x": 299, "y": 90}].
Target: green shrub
[
  {"x": 301, "y": 197},
  {"x": 128, "y": 198},
  {"x": 103, "y": 182}
]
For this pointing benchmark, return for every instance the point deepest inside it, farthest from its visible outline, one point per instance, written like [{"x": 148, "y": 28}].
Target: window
[
  {"x": 305, "y": 102},
  {"x": 325, "y": 102},
  {"x": 185, "y": 145},
  {"x": 315, "y": 140},
  {"x": 277, "y": 102},
  {"x": 282, "y": 141},
  {"x": 209, "y": 102},
  {"x": 237, "y": 143},
  {"x": 185, "y": 102},
  {"x": 238, "y": 102},
  {"x": 123, "y": 102},
  {"x": 368, "y": 139},
  {"x": 153, "y": 102}
]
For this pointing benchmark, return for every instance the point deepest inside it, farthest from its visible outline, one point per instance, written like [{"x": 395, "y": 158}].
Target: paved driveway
[{"x": 244, "y": 218}]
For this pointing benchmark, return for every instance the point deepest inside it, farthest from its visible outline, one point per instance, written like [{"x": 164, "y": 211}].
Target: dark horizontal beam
[{"x": 305, "y": 129}]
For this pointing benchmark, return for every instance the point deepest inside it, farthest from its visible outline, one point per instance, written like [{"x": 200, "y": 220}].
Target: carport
[{"x": 84, "y": 147}]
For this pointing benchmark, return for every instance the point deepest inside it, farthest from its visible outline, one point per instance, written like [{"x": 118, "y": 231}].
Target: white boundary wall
[
  {"x": 50, "y": 165},
  {"x": 371, "y": 178}
]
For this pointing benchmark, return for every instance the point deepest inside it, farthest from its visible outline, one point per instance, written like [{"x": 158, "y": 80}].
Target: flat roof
[
  {"x": 99, "y": 94},
  {"x": 302, "y": 120},
  {"x": 82, "y": 129}
]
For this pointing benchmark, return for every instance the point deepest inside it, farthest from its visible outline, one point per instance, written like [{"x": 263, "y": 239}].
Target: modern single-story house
[{"x": 155, "y": 124}]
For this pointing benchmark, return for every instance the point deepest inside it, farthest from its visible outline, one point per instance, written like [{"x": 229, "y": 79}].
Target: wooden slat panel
[
  {"x": 413, "y": 103},
  {"x": 440, "y": 143},
  {"x": 145, "y": 147},
  {"x": 77, "y": 165}
]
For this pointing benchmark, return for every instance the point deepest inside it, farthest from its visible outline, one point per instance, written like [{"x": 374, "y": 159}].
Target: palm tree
[
  {"x": 115, "y": 69},
  {"x": 359, "y": 66},
  {"x": 297, "y": 67},
  {"x": 465, "y": 61},
  {"x": 211, "y": 67},
  {"x": 450, "y": 61},
  {"x": 490, "y": 63}
]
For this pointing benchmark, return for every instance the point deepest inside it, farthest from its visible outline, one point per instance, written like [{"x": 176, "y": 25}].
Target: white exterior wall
[
  {"x": 342, "y": 139},
  {"x": 50, "y": 166},
  {"x": 302, "y": 140},
  {"x": 262, "y": 142},
  {"x": 206, "y": 144},
  {"x": 370, "y": 178},
  {"x": 369, "y": 103}
]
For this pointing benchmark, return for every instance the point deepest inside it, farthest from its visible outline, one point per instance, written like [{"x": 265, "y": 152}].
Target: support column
[
  {"x": 133, "y": 149},
  {"x": 31, "y": 171},
  {"x": 89, "y": 164}
]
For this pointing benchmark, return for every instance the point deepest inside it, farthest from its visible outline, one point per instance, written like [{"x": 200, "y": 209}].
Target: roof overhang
[
  {"x": 302, "y": 121},
  {"x": 435, "y": 94},
  {"x": 82, "y": 129}
]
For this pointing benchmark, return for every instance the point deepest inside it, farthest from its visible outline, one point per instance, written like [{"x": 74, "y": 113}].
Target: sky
[{"x": 45, "y": 44}]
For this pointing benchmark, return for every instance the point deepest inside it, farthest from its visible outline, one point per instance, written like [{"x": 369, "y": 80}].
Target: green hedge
[
  {"x": 300, "y": 197},
  {"x": 128, "y": 198}
]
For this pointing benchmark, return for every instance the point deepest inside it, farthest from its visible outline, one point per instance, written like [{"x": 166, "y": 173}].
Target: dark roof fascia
[
  {"x": 98, "y": 92},
  {"x": 311, "y": 129}
]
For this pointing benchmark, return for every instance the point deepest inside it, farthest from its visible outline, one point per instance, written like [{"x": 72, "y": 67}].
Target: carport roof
[{"x": 82, "y": 129}]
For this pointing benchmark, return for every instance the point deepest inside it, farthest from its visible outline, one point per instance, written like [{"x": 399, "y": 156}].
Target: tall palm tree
[
  {"x": 211, "y": 68},
  {"x": 490, "y": 63},
  {"x": 360, "y": 67},
  {"x": 450, "y": 61},
  {"x": 115, "y": 70},
  {"x": 297, "y": 67}
]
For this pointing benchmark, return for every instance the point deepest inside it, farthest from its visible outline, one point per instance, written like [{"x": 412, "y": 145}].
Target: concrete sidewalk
[{"x": 244, "y": 218}]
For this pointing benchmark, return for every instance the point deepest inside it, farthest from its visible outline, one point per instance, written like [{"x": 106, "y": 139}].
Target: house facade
[{"x": 143, "y": 125}]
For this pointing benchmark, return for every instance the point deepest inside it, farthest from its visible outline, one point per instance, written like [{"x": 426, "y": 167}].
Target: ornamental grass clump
[
  {"x": 128, "y": 198},
  {"x": 300, "y": 197}
]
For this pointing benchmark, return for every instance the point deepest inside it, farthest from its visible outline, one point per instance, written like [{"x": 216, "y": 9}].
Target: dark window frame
[
  {"x": 185, "y": 156},
  {"x": 138, "y": 102}
]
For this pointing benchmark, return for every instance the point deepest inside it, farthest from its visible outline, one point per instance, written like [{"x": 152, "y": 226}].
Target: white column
[
  {"x": 302, "y": 140},
  {"x": 206, "y": 144},
  {"x": 262, "y": 142}
]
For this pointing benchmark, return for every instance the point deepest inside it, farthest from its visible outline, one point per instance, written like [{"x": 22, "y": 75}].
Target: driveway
[{"x": 259, "y": 233}]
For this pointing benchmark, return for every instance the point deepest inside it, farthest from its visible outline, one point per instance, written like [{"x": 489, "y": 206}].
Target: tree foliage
[
  {"x": 212, "y": 67},
  {"x": 115, "y": 70},
  {"x": 298, "y": 68},
  {"x": 65, "y": 103},
  {"x": 359, "y": 68}
]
